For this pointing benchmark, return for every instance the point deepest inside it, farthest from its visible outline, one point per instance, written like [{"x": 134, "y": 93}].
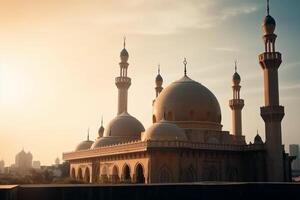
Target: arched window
[
  {"x": 103, "y": 174},
  {"x": 73, "y": 175},
  {"x": 115, "y": 175},
  {"x": 139, "y": 172},
  {"x": 79, "y": 175},
  {"x": 189, "y": 174},
  {"x": 165, "y": 175},
  {"x": 126, "y": 174},
  {"x": 87, "y": 177}
]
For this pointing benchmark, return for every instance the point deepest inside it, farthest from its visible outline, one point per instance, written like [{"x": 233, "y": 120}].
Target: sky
[{"x": 59, "y": 58}]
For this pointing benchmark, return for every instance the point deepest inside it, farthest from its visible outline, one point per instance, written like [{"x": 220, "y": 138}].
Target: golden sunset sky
[{"x": 59, "y": 58}]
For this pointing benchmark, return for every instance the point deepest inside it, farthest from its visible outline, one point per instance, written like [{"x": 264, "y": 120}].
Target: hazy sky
[{"x": 59, "y": 58}]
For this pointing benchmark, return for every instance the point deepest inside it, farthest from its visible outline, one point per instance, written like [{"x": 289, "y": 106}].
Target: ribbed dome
[
  {"x": 158, "y": 80},
  {"x": 124, "y": 55},
  {"x": 84, "y": 145},
  {"x": 164, "y": 130},
  {"x": 236, "y": 79},
  {"x": 124, "y": 125},
  {"x": 269, "y": 25},
  {"x": 186, "y": 100}
]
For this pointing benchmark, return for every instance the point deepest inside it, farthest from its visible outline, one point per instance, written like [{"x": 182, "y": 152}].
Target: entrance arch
[
  {"x": 87, "y": 176},
  {"x": 104, "y": 174},
  {"x": 139, "y": 173},
  {"x": 73, "y": 175},
  {"x": 126, "y": 174},
  {"x": 115, "y": 174},
  {"x": 79, "y": 175}
]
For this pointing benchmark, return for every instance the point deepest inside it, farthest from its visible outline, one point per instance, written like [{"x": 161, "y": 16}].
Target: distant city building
[
  {"x": 23, "y": 162},
  {"x": 2, "y": 166},
  {"x": 294, "y": 151},
  {"x": 186, "y": 142},
  {"x": 36, "y": 164},
  {"x": 57, "y": 161}
]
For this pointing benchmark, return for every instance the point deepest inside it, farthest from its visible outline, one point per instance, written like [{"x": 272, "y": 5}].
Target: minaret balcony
[
  {"x": 270, "y": 60},
  {"x": 123, "y": 82},
  {"x": 121, "y": 79},
  {"x": 272, "y": 113},
  {"x": 269, "y": 56},
  {"x": 236, "y": 103}
]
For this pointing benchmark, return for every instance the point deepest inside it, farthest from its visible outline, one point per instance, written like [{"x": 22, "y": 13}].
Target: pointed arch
[
  {"x": 189, "y": 174},
  {"x": 87, "y": 175},
  {"x": 126, "y": 173},
  {"x": 115, "y": 174},
  {"x": 79, "y": 174},
  {"x": 165, "y": 175},
  {"x": 73, "y": 173},
  {"x": 139, "y": 173},
  {"x": 104, "y": 174}
]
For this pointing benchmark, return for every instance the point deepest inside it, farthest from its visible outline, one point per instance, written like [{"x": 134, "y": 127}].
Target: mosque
[{"x": 186, "y": 142}]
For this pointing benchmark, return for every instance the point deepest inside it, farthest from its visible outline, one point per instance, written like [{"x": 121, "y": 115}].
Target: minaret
[
  {"x": 272, "y": 113},
  {"x": 158, "y": 82},
  {"x": 123, "y": 82},
  {"x": 236, "y": 104}
]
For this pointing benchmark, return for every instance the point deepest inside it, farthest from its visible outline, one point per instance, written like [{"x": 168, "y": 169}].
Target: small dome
[
  {"x": 269, "y": 25},
  {"x": 84, "y": 145},
  {"x": 106, "y": 141},
  {"x": 164, "y": 130},
  {"x": 159, "y": 80},
  {"x": 258, "y": 140},
  {"x": 236, "y": 79},
  {"x": 124, "y": 55},
  {"x": 124, "y": 125},
  {"x": 188, "y": 101}
]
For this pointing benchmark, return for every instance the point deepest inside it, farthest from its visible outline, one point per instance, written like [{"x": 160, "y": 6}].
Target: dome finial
[
  {"x": 185, "y": 63},
  {"x": 235, "y": 65},
  {"x": 124, "y": 42},
  {"x": 257, "y": 132},
  {"x": 268, "y": 8},
  {"x": 158, "y": 69},
  {"x": 102, "y": 120},
  {"x": 88, "y": 134}
]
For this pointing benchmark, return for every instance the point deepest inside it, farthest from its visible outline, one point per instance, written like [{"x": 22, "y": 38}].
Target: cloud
[{"x": 226, "y": 49}]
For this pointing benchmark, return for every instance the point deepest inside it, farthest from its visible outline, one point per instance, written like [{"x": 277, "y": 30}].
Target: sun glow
[{"x": 13, "y": 85}]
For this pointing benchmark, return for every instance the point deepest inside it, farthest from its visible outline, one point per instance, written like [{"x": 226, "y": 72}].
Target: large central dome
[{"x": 188, "y": 103}]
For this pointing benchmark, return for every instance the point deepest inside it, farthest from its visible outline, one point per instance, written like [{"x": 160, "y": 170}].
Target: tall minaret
[
  {"x": 123, "y": 82},
  {"x": 272, "y": 113},
  {"x": 158, "y": 82},
  {"x": 236, "y": 104}
]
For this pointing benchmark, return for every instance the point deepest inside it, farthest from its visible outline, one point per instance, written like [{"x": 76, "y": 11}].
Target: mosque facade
[{"x": 186, "y": 142}]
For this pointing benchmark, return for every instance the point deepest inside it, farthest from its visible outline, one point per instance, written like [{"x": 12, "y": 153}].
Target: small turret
[
  {"x": 158, "y": 82},
  {"x": 101, "y": 129}
]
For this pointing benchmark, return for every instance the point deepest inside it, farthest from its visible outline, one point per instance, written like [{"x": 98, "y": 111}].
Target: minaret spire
[
  {"x": 184, "y": 63},
  {"x": 88, "y": 134},
  {"x": 124, "y": 42},
  {"x": 235, "y": 66},
  {"x": 268, "y": 7},
  {"x": 158, "y": 69}
]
